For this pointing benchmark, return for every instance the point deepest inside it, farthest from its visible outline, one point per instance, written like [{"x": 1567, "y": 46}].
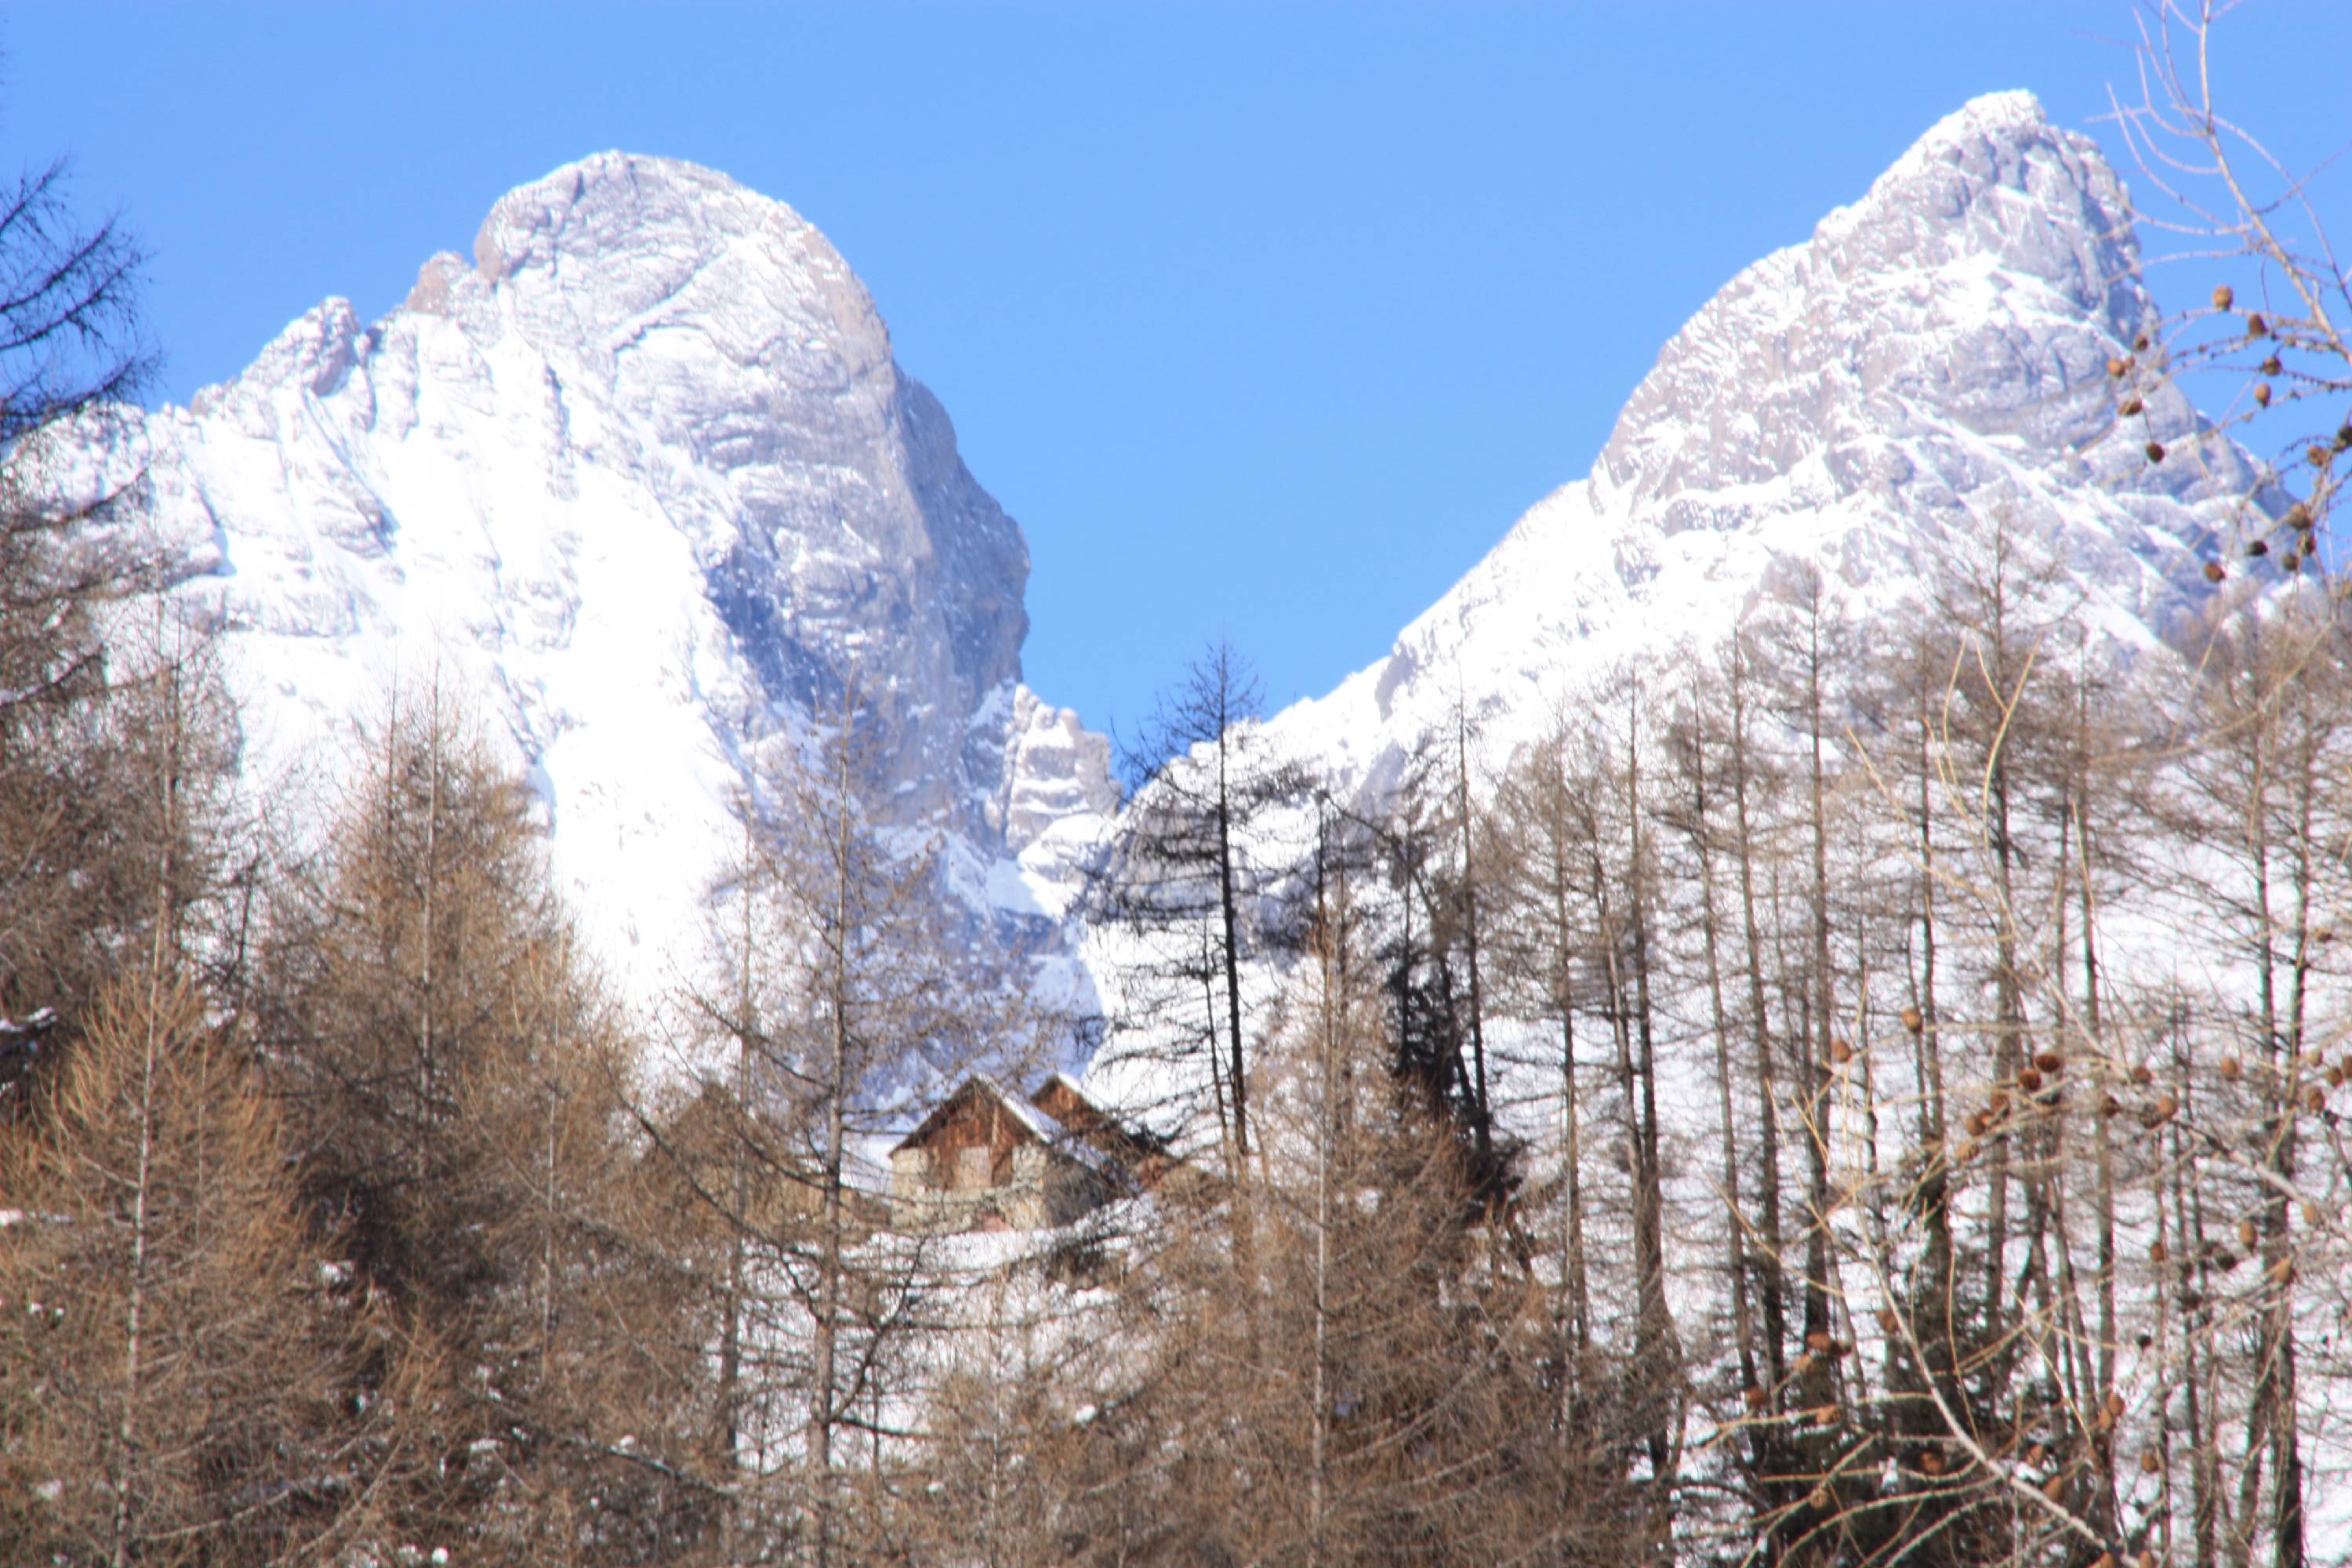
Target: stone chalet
[{"x": 988, "y": 1159}]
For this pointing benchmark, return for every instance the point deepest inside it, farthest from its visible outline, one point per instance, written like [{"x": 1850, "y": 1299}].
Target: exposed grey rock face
[
  {"x": 842, "y": 538},
  {"x": 1933, "y": 360},
  {"x": 643, "y": 477},
  {"x": 644, "y": 473}
]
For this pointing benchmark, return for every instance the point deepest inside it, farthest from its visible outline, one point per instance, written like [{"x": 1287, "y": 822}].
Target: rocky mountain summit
[
  {"x": 642, "y": 479},
  {"x": 642, "y": 476},
  {"x": 1933, "y": 360}
]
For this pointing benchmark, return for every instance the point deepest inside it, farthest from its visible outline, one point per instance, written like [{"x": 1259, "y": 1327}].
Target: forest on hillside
[{"x": 1869, "y": 1088}]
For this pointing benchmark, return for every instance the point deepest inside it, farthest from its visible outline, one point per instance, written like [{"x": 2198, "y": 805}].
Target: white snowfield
[{"x": 642, "y": 480}]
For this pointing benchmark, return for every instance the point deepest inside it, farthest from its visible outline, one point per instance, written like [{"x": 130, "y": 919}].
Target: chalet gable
[
  {"x": 982, "y": 1111},
  {"x": 986, "y": 1158},
  {"x": 1139, "y": 1153}
]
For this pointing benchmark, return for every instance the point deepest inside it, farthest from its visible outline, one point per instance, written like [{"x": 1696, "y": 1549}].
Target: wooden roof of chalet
[{"x": 1032, "y": 1124}]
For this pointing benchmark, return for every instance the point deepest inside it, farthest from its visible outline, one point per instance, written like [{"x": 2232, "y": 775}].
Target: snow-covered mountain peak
[
  {"x": 1985, "y": 278},
  {"x": 1996, "y": 182},
  {"x": 1934, "y": 358},
  {"x": 2014, "y": 108},
  {"x": 1977, "y": 146},
  {"x": 603, "y": 255},
  {"x": 644, "y": 478},
  {"x": 624, "y": 204}
]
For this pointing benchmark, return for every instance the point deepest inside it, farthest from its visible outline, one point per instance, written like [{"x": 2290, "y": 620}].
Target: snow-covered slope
[
  {"x": 642, "y": 476},
  {"x": 1935, "y": 357},
  {"x": 642, "y": 479}
]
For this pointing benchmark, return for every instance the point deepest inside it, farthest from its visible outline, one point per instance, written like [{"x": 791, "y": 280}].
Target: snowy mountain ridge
[
  {"x": 1935, "y": 354},
  {"x": 643, "y": 480}
]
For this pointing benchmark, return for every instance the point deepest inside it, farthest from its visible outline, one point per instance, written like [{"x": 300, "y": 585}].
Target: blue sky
[{"x": 1264, "y": 320}]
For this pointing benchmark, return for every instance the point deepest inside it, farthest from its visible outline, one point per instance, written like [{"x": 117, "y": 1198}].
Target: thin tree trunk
[
  {"x": 1773, "y": 1290},
  {"x": 1822, "y": 1388},
  {"x": 129, "y": 1482},
  {"x": 1230, "y": 914},
  {"x": 1657, "y": 1333},
  {"x": 1735, "y": 1215},
  {"x": 823, "y": 1414},
  {"x": 1574, "y": 1277},
  {"x": 1470, "y": 910}
]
